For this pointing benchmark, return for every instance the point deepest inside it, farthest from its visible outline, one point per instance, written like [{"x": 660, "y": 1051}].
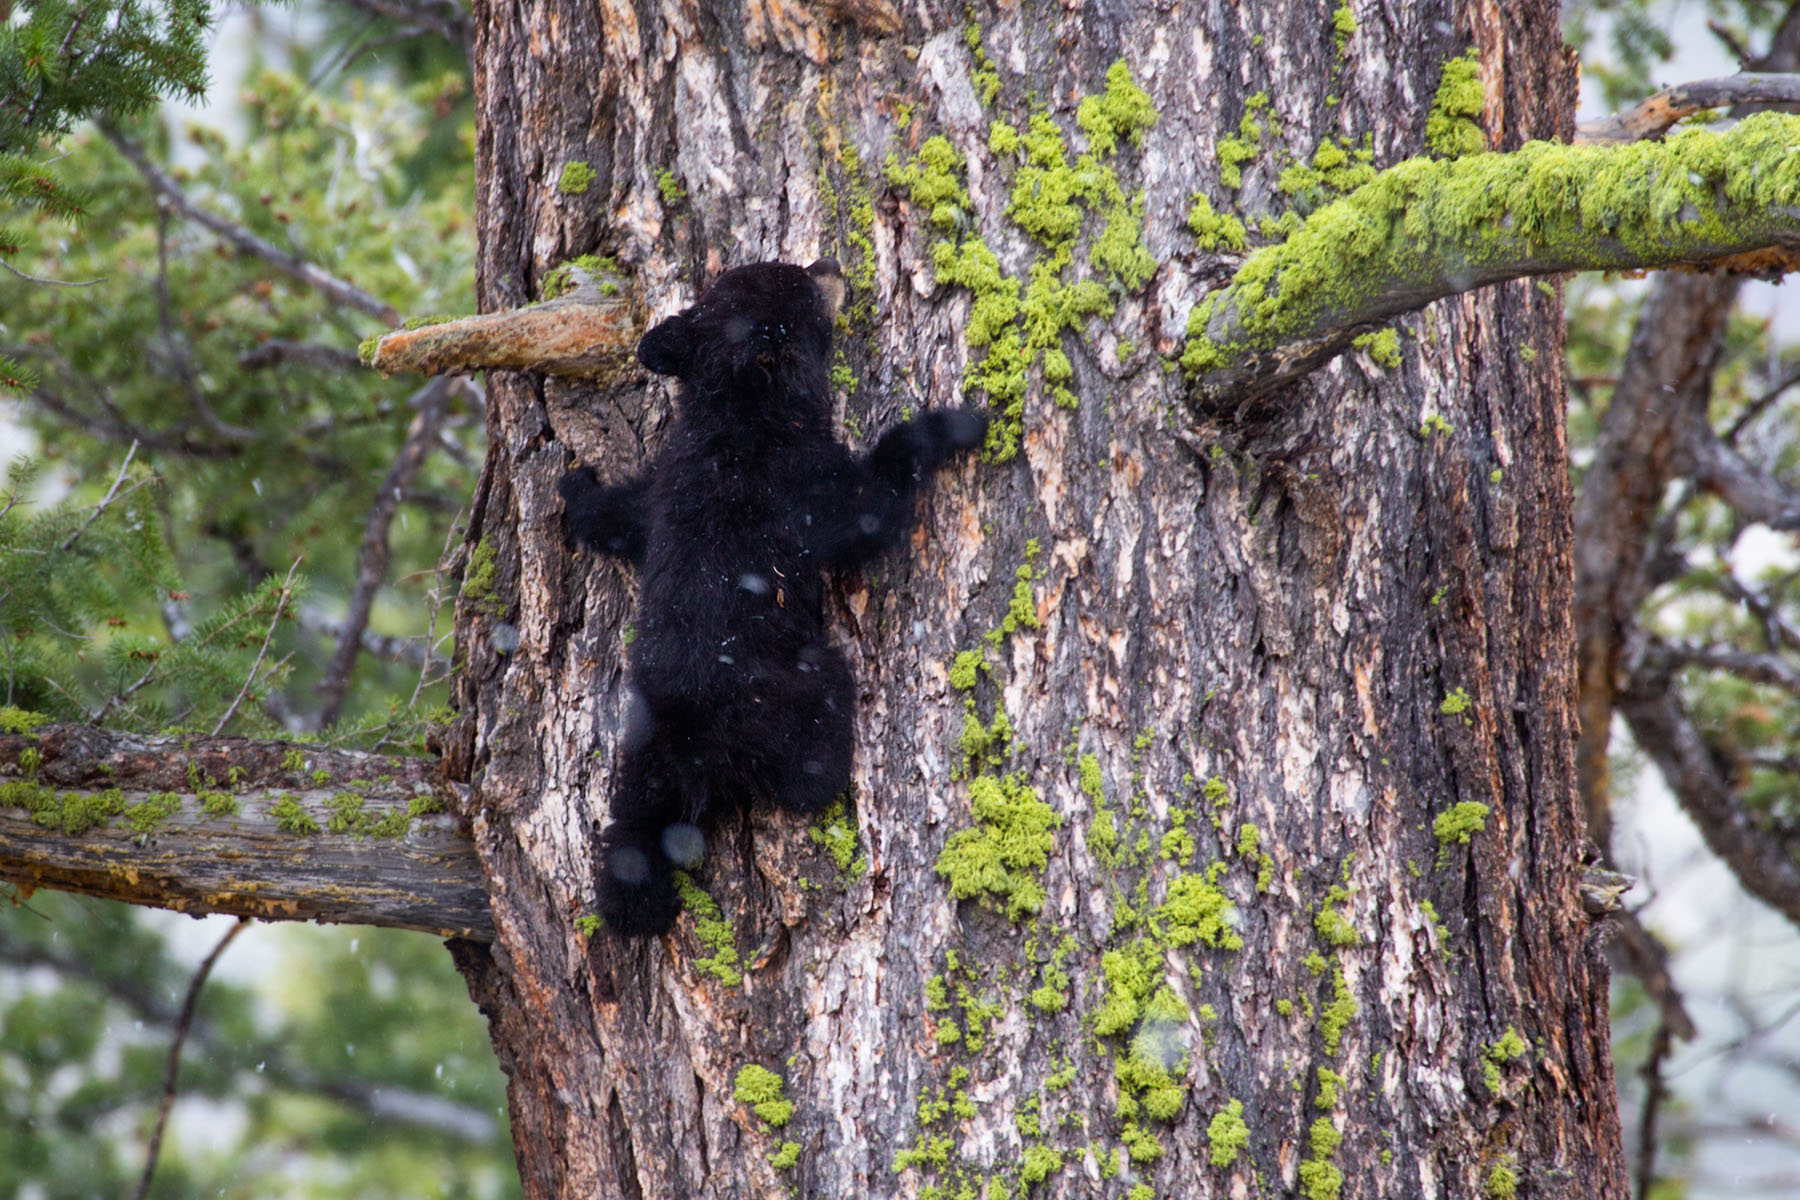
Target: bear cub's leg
[
  {"x": 810, "y": 726},
  {"x": 651, "y": 834}
]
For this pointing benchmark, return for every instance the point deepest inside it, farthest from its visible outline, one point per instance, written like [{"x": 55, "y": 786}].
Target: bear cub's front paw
[{"x": 958, "y": 428}]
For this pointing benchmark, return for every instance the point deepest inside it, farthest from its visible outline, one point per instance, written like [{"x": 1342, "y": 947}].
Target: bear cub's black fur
[{"x": 737, "y": 694}]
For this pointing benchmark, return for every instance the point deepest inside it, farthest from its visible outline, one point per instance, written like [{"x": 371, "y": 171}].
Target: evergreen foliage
[
  {"x": 197, "y": 425},
  {"x": 64, "y": 61}
]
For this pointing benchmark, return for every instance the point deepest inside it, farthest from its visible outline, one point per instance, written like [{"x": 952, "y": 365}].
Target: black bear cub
[{"x": 737, "y": 694}]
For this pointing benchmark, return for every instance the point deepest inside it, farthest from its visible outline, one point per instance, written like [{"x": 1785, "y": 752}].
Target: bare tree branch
[
  {"x": 278, "y": 351},
  {"x": 1762, "y": 862},
  {"x": 283, "y": 831},
  {"x": 1751, "y": 493},
  {"x": 587, "y": 333},
  {"x": 105, "y": 501},
  {"x": 1656, "y": 115},
  {"x": 412, "y": 651},
  {"x": 182, "y": 1024},
  {"x": 445, "y": 18},
  {"x": 1647, "y": 958},
  {"x": 1655, "y": 1092},
  {"x": 1771, "y": 669},
  {"x": 372, "y": 559},
  {"x": 245, "y": 242}
]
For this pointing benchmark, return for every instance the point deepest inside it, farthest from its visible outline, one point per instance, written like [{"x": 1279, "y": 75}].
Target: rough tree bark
[{"x": 1339, "y": 615}]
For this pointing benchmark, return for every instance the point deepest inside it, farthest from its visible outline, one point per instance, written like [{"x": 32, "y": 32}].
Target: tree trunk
[{"x": 1262, "y": 662}]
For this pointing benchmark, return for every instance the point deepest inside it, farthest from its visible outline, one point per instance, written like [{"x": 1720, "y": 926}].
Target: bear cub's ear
[
  {"x": 830, "y": 278},
  {"x": 668, "y": 349}
]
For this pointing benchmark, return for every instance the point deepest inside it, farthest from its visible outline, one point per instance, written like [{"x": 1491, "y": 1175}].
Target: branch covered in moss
[
  {"x": 233, "y": 825},
  {"x": 1425, "y": 229},
  {"x": 587, "y": 332}
]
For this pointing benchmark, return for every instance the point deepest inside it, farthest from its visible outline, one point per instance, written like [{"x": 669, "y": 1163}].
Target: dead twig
[
  {"x": 1656, "y": 115},
  {"x": 182, "y": 1025},
  {"x": 280, "y": 603}
]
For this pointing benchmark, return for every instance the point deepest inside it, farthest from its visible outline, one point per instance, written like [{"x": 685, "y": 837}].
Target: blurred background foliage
[
  {"x": 1718, "y": 628},
  {"x": 196, "y": 456}
]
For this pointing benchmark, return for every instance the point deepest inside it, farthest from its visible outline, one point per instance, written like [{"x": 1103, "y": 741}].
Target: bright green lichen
[
  {"x": 1227, "y": 1135},
  {"x": 423, "y": 804},
  {"x": 1456, "y": 703},
  {"x": 560, "y": 279},
  {"x": 784, "y": 1158},
  {"x": 1502, "y": 1182},
  {"x": 932, "y": 1152},
  {"x": 1460, "y": 823},
  {"x": 577, "y": 177},
  {"x": 1319, "y": 1179},
  {"x": 1450, "y": 128},
  {"x": 1382, "y": 347},
  {"x": 19, "y": 720},
  {"x": 1234, "y": 150},
  {"x": 1343, "y": 25},
  {"x": 480, "y": 578},
  {"x": 1197, "y": 910},
  {"x": 1337, "y": 1015},
  {"x": 714, "y": 933},
  {"x": 290, "y": 817},
  {"x": 1038, "y": 1164},
  {"x": 346, "y": 814},
  {"x": 933, "y": 182},
  {"x": 1214, "y": 230},
  {"x": 835, "y": 830},
  {"x": 985, "y": 79},
  {"x": 670, "y": 187},
  {"x": 1020, "y": 323},
  {"x": 1122, "y": 110},
  {"x": 761, "y": 1089},
  {"x": 1507, "y": 1047},
  {"x": 1331, "y": 922},
  {"x": 1329, "y": 1083},
  {"x": 1335, "y": 170},
  {"x": 1120, "y": 247},
  {"x": 962, "y": 671},
  {"x": 588, "y": 924},
  {"x": 1249, "y": 844},
  {"x": 151, "y": 812},
  {"x": 1002, "y": 858}
]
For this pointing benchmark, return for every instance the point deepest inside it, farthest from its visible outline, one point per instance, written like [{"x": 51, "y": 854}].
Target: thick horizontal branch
[
  {"x": 1425, "y": 229},
  {"x": 262, "y": 829},
  {"x": 1658, "y": 114},
  {"x": 587, "y": 333}
]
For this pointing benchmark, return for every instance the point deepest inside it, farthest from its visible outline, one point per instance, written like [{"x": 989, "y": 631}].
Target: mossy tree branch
[
  {"x": 1425, "y": 229},
  {"x": 233, "y": 825}
]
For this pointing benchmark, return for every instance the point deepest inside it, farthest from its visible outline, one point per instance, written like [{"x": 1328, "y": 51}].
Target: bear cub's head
[{"x": 758, "y": 329}]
